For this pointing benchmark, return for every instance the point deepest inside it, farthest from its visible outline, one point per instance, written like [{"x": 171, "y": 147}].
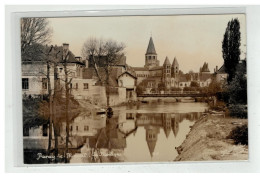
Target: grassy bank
[{"x": 209, "y": 139}]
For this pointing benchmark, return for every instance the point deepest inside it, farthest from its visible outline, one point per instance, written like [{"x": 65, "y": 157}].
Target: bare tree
[
  {"x": 34, "y": 32},
  {"x": 92, "y": 49},
  {"x": 103, "y": 54},
  {"x": 113, "y": 53}
]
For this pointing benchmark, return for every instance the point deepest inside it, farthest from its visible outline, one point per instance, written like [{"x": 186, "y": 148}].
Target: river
[
  {"x": 143, "y": 133},
  {"x": 138, "y": 133}
]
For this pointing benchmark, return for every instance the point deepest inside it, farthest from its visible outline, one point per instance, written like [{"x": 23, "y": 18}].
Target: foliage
[
  {"x": 140, "y": 88},
  {"x": 194, "y": 84},
  {"x": 230, "y": 47},
  {"x": 239, "y": 135},
  {"x": 219, "y": 106},
  {"x": 36, "y": 111},
  {"x": 175, "y": 89},
  {"x": 237, "y": 88},
  {"x": 161, "y": 86},
  {"x": 239, "y": 111},
  {"x": 190, "y": 89},
  {"x": 31, "y": 115},
  {"x": 214, "y": 87}
]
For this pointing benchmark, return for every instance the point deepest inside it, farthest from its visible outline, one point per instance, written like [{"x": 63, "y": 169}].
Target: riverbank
[{"x": 207, "y": 140}]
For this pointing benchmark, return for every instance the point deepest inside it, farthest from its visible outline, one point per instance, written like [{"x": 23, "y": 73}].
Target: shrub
[
  {"x": 139, "y": 90},
  {"x": 175, "y": 89},
  {"x": 161, "y": 86},
  {"x": 194, "y": 84},
  {"x": 219, "y": 106},
  {"x": 237, "y": 88},
  {"x": 239, "y": 135},
  {"x": 239, "y": 111}
]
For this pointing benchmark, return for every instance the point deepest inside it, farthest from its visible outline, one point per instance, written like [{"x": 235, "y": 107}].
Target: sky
[{"x": 192, "y": 39}]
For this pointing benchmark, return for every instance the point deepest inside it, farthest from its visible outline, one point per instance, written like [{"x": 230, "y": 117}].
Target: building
[
  {"x": 34, "y": 71},
  {"x": 128, "y": 80},
  {"x": 152, "y": 75},
  {"x": 221, "y": 75}
]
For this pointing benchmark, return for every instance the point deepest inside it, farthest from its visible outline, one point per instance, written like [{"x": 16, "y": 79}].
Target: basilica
[{"x": 169, "y": 74}]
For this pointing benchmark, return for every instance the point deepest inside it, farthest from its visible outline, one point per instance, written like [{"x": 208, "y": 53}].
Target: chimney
[
  {"x": 216, "y": 68},
  {"x": 78, "y": 58},
  {"x": 65, "y": 46},
  {"x": 65, "y": 49}
]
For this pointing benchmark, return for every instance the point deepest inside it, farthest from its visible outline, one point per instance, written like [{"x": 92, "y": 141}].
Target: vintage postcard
[{"x": 134, "y": 88}]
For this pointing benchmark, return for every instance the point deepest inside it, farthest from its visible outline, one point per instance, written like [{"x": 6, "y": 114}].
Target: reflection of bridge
[{"x": 184, "y": 94}]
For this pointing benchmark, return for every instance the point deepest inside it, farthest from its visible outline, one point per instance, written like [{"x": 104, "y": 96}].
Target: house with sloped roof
[
  {"x": 34, "y": 69},
  {"x": 121, "y": 82},
  {"x": 220, "y": 74},
  {"x": 128, "y": 80}
]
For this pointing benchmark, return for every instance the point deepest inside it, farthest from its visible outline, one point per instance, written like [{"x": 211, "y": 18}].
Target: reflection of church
[
  {"x": 153, "y": 122},
  {"x": 111, "y": 135}
]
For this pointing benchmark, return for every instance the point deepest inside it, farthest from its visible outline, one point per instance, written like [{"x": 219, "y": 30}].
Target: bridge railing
[{"x": 173, "y": 92}]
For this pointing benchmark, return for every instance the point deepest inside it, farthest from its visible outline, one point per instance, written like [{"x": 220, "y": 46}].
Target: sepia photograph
[{"x": 113, "y": 89}]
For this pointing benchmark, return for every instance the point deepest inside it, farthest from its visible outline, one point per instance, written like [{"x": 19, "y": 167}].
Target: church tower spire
[
  {"x": 151, "y": 55},
  {"x": 175, "y": 68},
  {"x": 167, "y": 72}
]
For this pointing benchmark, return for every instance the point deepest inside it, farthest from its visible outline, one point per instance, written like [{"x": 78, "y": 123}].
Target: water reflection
[
  {"x": 137, "y": 137},
  {"x": 143, "y": 133}
]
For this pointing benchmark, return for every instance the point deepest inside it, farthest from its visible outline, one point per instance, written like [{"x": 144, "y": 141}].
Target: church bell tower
[{"x": 151, "y": 55}]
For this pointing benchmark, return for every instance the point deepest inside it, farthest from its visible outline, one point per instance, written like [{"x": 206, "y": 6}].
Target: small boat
[
  {"x": 101, "y": 111},
  {"x": 143, "y": 101}
]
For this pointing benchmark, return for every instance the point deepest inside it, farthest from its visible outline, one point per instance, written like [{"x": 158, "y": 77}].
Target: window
[
  {"x": 25, "y": 83},
  {"x": 86, "y": 128},
  {"x": 77, "y": 86},
  {"x": 85, "y": 85},
  {"x": 77, "y": 128},
  {"x": 71, "y": 128},
  {"x": 44, "y": 83}
]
